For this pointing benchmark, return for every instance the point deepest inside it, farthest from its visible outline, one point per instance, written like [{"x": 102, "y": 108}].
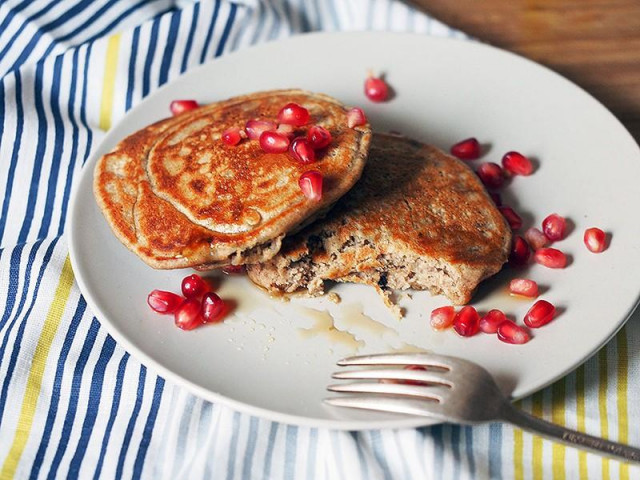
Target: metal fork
[{"x": 451, "y": 390}]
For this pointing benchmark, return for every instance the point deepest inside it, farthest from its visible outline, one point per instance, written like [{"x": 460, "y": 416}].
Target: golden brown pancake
[
  {"x": 418, "y": 218},
  {"x": 177, "y": 196}
]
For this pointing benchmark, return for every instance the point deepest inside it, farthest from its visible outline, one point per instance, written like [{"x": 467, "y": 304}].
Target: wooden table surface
[{"x": 594, "y": 43}]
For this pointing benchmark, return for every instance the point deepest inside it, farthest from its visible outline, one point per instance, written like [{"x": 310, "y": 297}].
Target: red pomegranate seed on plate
[
  {"x": 194, "y": 286},
  {"x": 319, "y": 137},
  {"x": 468, "y": 149},
  {"x": 293, "y": 114},
  {"x": 188, "y": 315},
  {"x": 536, "y": 238},
  {"x": 491, "y": 320},
  {"x": 233, "y": 269},
  {"x": 509, "y": 332},
  {"x": 550, "y": 257},
  {"x": 302, "y": 151},
  {"x": 212, "y": 308},
  {"x": 376, "y": 89},
  {"x": 491, "y": 175},
  {"x": 356, "y": 117},
  {"x": 180, "y": 106},
  {"x": 517, "y": 164},
  {"x": 232, "y": 136},
  {"x": 595, "y": 239},
  {"x": 164, "y": 302},
  {"x": 274, "y": 142},
  {"x": 519, "y": 252},
  {"x": 554, "y": 227},
  {"x": 524, "y": 287},
  {"x": 442, "y": 317},
  {"x": 541, "y": 313},
  {"x": 514, "y": 220},
  {"x": 497, "y": 199},
  {"x": 256, "y": 127},
  {"x": 466, "y": 322},
  {"x": 311, "y": 185}
]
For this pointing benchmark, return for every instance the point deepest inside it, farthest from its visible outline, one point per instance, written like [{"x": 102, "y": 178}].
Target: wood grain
[{"x": 594, "y": 43}]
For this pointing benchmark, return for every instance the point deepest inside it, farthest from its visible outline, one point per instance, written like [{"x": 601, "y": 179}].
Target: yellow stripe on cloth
[
  {"x": 34, "y": 381},
  {"x": 518, "y": 450},
  {"x": 108, "y": 88},
  {"x": 602, "y": 404},
  {"x": 558, "y": 394},
  {"x": 622, "y": 380},
  {"x": 537, "y": 411},
  {"x": 581, "y": 421}
]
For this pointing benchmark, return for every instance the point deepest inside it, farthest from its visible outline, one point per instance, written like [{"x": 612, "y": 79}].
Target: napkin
[{"x": 73, "y": 403}]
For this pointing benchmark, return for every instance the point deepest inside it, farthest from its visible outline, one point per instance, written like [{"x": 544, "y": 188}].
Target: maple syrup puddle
[{"x": 324, "y": 325}]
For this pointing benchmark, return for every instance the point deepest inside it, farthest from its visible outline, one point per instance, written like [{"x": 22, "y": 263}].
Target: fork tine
[
  {"x": 424, "y": 359},
  {"x": 388, "y": 404},
  {"x": 425, "y": 392},
  {"x": 393, "y": 374}
]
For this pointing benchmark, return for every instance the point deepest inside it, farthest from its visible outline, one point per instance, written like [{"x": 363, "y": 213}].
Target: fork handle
[{"x": 569, "y": 437}]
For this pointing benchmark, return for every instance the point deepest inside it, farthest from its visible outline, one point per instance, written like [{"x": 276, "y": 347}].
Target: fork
[{"x": 452, "y": 390}]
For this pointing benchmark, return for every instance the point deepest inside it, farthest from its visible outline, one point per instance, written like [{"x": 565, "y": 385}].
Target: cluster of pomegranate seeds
[
  {"x": 514, "y": 220},
  {"x": 356, "y": 117},
  {"x": 198, "y": 306},
  {"x": 274, "y": 142},
  {"x": 466, "y": 322},
  {"x": 550, "y": 257},
  {"x": 524, "y": 287},
  {"x": 180, "y": 106},
  {"x": 311, "y": 185},
  {"x": 376, "y": 89},
  {"x": 515, "y": 163},
  {"x": 468, "y": 149},
  {"x": 595, "y": 239},
  {"x": 491, "y": 174},
  {"x": 294, "y": 114}
]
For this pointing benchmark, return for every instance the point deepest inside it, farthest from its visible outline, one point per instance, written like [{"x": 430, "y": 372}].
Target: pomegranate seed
[
  {"x": 491, "y": 175},
  {"x": 255, "y": 128},
  {"x": 188, "y": 315},
  {"x": 524, "y": 287},
  {"x": 466, "y": 322},
  {"x": 274, "y": 142},
  {"x": 595, "y": 239},
  {"x": 519, "y": 252},
  {"x": 319, "y": 137},
  {"x": 194, "y": 286},
  {"x": 442, "y": 317},
  {"x": 514, "y": 220},
  {"x": 233, "y": 269},
  {"x": 356, "y": 117},
  {"x": 180, "y": 106},
  {"x": 550, "y": 257},
  {"x": 376, "y": 89},
  {"x": 536, "y": 238},
  {"x": 293, "y": 114},
  {"x": 497, "y": 199},
  {"x": 468, "y": 149},
  {"x": 212, "y": 308},
  {"x": 509, "y": 332},
  {"x": 414, "y": 367},
  {"x": 311, "y": 185},
  {"x": 302, "y": 151},
  {"x": 285, "y": 129},
  {"x": 232, "y": 136},
  {"x": 517, "y": 164},
  {"x": 491, "y": 320},
  {"x": 164, "y": 302},
  {"x": 554, "y": 227},
  {"x": 541, "y": 313}
]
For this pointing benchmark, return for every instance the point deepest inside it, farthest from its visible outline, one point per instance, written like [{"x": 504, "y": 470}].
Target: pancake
[
  {"x": 178, "y": 197},
  {"x": 418, "y": 218}
]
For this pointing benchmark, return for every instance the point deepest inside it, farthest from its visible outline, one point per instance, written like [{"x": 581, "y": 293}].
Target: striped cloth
[{"x": 73, "y": 404}]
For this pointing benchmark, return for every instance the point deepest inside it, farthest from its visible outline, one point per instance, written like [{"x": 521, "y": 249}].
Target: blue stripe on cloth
[
  {"x": 22, "y": 321},
  {"x": 312, "y": 453},
  {"x": 115, "y": 404},
  {"x": 93, "y": 405},
  {"x": 58, "y": 129},
  {"x": 189, "y": 42},
  {"x": 170, "y": 45},
  {"x": 495, "y": 449},
  {"x": 227, "y": 30},
  {"x": 455, "y": 449},
  {"x": 291, "y": 437},
  {"x": 379, "y": 454},
  {"x": 132, "y": 422},
  {"x": 83, "y": 106},
  {"x": 468, "y": 439},
  {"x": 133, "y": 57},
  {"x": 148, "y": 428},
  {"x": 212, "y": 24},
  {"x": 438, "y": 451},
  {"x": 250, "y": 448},
  {"x": 72, "y": 407},
  {"x": 148, "y": 61},
  {"x": 57, "y": 388},
  {"x": 17, "y": 142},
  {"x": 183, "y": 432},
  {"x": 361, "y": 457},
  {"x": 12, "y": 290},
  {"x": 268, "y": 456},
  {"x": 233, "y": 446}
]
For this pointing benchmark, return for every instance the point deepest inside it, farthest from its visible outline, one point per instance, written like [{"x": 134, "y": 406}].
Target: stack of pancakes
[{"x": 178, "y": 197}]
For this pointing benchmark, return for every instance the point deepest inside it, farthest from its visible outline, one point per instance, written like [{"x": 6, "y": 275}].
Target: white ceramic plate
[{"x": 262, "y": 360}]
